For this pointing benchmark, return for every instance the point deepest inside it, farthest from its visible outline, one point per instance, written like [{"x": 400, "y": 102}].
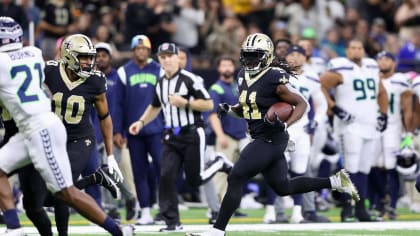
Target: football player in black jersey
[
  {"x": 75, "y": 88},
  {"x": 260, "y": 86}
]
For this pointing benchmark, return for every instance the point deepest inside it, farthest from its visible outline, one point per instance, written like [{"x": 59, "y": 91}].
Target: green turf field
[{"x": 195, "y": 218}]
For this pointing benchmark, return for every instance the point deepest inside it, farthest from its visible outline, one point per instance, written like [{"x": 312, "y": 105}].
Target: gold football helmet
[
  {"x": 74, "y": 46},
  {"x": 256, "y": 53}
]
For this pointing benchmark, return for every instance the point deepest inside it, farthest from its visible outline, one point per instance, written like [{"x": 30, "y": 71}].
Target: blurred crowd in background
[{"x": 209, "y": 28}]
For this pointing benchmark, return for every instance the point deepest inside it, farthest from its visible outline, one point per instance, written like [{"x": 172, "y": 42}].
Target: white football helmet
[
  {"x": 256, "y": 53},
  {"x": 11, "y": 34},
  {"x": 74, "y": 46},
  {"x": 407, "y": 161}
]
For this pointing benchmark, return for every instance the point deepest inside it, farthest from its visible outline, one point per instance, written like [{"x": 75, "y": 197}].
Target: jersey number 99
[{"x": 365, "y": 89}]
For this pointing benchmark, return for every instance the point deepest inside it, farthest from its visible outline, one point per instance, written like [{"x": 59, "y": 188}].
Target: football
[{"x": 283, "y": 110}]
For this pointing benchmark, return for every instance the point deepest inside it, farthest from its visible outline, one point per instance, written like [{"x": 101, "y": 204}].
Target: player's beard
[
  {"x": 385, "y": 70},
  {"x": 357, "y": 60},
  {"x": 227, "y": 74}
]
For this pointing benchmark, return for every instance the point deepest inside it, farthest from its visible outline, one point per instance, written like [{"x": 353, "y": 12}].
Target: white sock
[
  {"x": 217, "y": 232},
  {"x": 145, "y": 212},
  {"x": 335, "y": 182},
  {"x": 269, "y": 209}
]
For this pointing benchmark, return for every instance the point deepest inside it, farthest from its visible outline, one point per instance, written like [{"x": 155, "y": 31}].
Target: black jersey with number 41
[
  {"x": 256, "y": 95},
  {"x": 73, "y": 101}
]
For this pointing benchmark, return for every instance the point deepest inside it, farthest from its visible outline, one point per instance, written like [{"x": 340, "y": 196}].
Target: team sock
[
  {"x": 112, "y": 227},
  {"x": 394, "y": 187},
  {"x": 11, "y": 219}
]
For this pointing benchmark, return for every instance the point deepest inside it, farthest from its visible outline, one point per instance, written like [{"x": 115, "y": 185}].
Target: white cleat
[
  {"x": 14, "y": 232},
  {"x": 127, "y": 230},
  {"x": 270, "y": 215},
  {"x": 345, "y": 185},
  {"x": 211, "y": 232},
  {"x": 227, "y": 164},
  {"x": 145, "y": 220}
]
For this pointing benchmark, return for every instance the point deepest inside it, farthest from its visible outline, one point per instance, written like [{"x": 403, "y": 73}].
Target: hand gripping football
[{"x": 283, "y": 110}]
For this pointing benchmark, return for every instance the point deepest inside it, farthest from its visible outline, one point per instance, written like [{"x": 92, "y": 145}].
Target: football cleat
[
  {"x": 211, "y": 232},
  {"x": 344, "y": 184},
  {"x": 104, "y": 179},
  {"x": 127, "y": 230},
  {"x": 172, "y": 228},
  {"x": 227, "y": 164},
  {"x": 14, "y": 232}
]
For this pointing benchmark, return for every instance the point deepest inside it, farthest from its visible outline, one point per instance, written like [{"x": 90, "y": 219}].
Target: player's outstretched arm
[{"x": 150, "y": 114}]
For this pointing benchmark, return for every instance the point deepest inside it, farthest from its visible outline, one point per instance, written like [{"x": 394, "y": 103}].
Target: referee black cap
[{"x": 167, "y": 48}]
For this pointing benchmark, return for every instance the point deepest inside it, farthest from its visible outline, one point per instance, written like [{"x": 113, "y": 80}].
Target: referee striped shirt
[{"x": 187, "y": 85}]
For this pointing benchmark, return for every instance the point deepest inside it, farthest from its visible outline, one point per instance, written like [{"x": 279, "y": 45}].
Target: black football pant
[
  {"x": 267, "y": 158},
  {"x": 186, "y": 148}
]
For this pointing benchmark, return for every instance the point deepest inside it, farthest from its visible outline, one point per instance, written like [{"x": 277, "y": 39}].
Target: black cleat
[
  {"x": 172, "y": 228},
  {"x": 130, "y": 207},
  {"x": 227, "y": 164},
  {"x": 104, "y": 179},
  {"x": 114, "y": 214},
  {"x": 213, "y": 217}
]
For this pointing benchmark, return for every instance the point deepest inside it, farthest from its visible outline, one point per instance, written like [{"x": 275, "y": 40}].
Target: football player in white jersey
[
  {"x": 360, "y": 107},
  {"x": 384, "y": 171},
  {"x": 314, "y": 64},
  {"x": 308, "y": 84},
  {"x": 41, "y": 139}
]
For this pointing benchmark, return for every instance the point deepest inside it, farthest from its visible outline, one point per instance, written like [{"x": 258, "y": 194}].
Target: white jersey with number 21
[{"x": 21, "y": 78}]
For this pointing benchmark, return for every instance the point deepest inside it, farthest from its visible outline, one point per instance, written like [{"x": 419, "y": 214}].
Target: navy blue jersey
[
  {"x": 256, "y": 95},
  {"x": 73, "y": 101},
  {"x": 222, "y": 92}
]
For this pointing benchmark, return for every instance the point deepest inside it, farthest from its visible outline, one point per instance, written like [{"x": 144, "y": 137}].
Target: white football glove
[{"x": 114, "y": 170}]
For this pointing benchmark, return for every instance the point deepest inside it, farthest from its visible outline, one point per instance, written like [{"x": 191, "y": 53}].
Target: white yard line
[{"x": 396, "y": 225}]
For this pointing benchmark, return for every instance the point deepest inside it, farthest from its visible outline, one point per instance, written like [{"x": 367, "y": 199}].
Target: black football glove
[
  {"x": 343, "y": 115},
  {"x": 311, "y": 127},
  {"x": 382, "y": 122},
  {"x": 222, "y": 109},
  {"x": 277, "y": 123}
]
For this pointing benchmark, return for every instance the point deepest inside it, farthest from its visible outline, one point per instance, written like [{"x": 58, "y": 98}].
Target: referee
[{"x": 183, "y": 98}]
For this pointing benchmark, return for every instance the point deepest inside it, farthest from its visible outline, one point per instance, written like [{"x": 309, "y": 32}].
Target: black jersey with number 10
[{"x": 73, "y": 101}]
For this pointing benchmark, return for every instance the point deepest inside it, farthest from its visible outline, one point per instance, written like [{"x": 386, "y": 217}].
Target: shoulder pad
[
  {"x": 98, "y": 73},
  {"x": 280, "y": 74}
]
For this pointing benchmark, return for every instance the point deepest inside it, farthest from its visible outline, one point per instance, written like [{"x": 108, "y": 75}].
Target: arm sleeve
[{"x": 198, "y": 91}]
